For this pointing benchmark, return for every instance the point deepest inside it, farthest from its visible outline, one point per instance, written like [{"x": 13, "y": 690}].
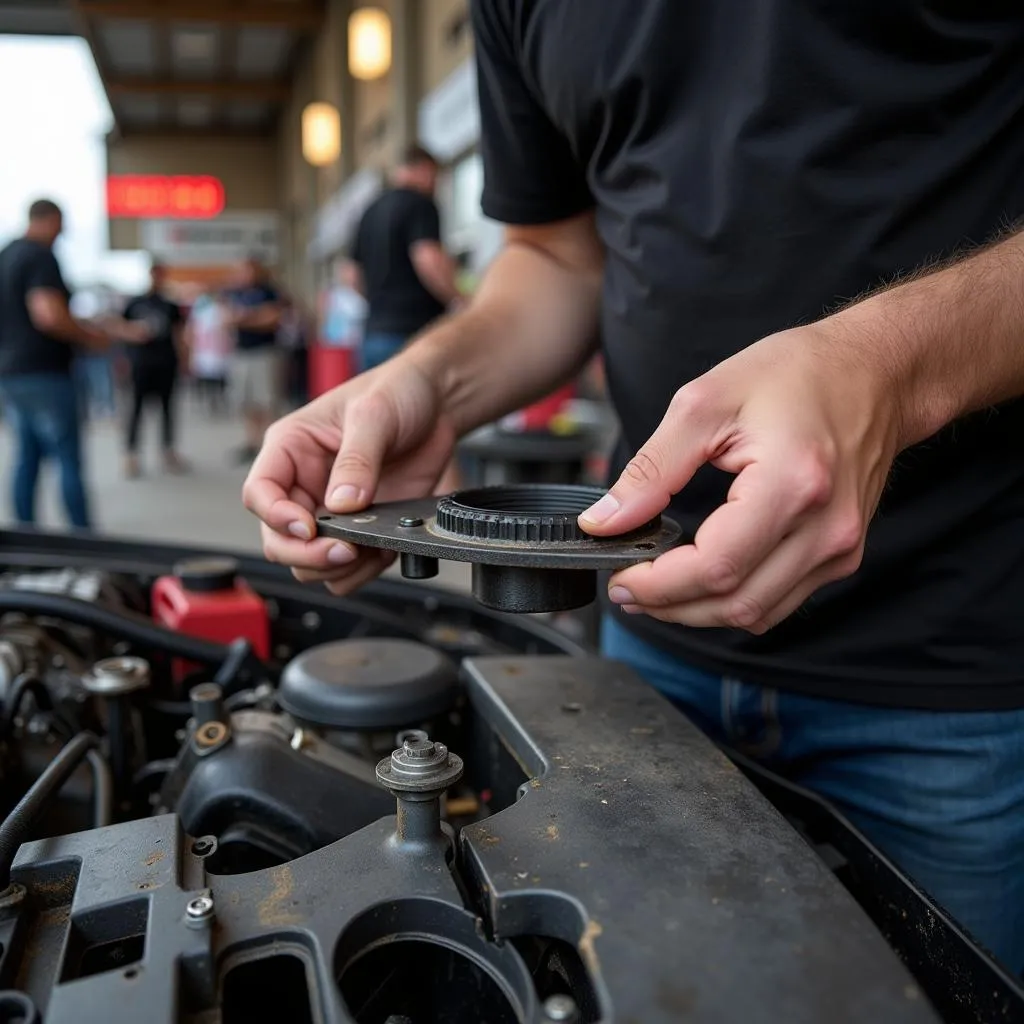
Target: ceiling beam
[
  {"x": 177, "y": 131},
  {"x": 98, "y": 56},
  {"x": 261, "y": 92},
  {"x": 301, "y": 15}
]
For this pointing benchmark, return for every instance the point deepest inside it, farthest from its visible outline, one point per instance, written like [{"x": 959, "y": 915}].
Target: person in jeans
[
  {"x": 154, "y": 367},
  {"x": 254, "y": 376},
  {"x": 38, "y": 341},
  {"x": 402, "y": 269}
]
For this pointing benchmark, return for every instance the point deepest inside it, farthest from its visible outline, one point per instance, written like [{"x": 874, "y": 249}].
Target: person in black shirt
[
  {"x": 255, "y": 372},
  {"x": 38, "y": 339},
  {"x": 407, "y": 277},
  {"x": 156, "y": 329},
  {"x": 704, "y": 188}
]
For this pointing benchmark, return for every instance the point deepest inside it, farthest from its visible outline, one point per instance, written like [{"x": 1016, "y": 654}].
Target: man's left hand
[{"x": 808, "y": 421}]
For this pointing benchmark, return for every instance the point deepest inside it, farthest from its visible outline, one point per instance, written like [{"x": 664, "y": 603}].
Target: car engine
[{"x": 230, "y": 798}]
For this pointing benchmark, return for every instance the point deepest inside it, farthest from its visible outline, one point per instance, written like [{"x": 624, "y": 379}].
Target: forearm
[
  {"x": 531, "y": 325},
  {"x": 951, "y": 341},
  {"x": 71, "y": 332}
]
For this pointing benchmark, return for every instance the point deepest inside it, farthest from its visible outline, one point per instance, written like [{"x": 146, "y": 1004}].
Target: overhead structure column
[{"x": 405, "y": 26}]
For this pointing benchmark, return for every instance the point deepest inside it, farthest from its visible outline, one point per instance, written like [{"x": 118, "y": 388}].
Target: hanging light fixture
[
  {"x": 369, "y": 43},
  {"x": 321, "y": 134}
]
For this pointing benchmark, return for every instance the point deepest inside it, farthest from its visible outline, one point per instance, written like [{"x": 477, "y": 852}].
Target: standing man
[
  {"x": 407, "y": 277},
  {"x": 154, "y": 360},
  {"x": 38, "y": 339},
  {"x": 704, "y": 186},
  {"x": 254, "y": 378}
]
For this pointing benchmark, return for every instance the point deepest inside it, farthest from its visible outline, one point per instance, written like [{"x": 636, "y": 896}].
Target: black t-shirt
[
  {"x": 399, "y": 301},
  {"x": 753, "y": 166},
  {"x": 24, "y": 266},
  {"x": 162, "y": 317},
  {"x": 252, "y": 298}
]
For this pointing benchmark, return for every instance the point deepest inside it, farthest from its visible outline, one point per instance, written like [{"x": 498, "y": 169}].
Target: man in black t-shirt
[
  {"x": 407, "y": 277},
  {"x": 38, "y": 338},
  {"x": 153, "y": 357},
  {"x": 255, "y": 369},
  {"x": 702, "y": 187}
]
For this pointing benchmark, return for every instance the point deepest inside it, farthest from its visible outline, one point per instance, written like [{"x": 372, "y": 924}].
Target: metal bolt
[
  {"x": 199, "y": 909},
  {"x": 204, "y": 846},
  {"x": 419, "y": 748},
  {"x": 562, "y": 1009},
  {"x": 410, "y": 521}
]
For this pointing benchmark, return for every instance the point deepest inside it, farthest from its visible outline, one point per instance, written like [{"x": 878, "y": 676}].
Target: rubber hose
[
  {"x": 239, "y": 655},
  {"x": 123, "y": 624},
  {"x": 25, "y": 684},
  {"x": 102, "y": 788},
  {"x": 17, "y": 825}
]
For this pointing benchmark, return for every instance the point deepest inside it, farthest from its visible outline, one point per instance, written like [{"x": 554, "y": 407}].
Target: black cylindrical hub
[
  {"x": 516, "y": 589},
  {"x": 418, "y": 567}
]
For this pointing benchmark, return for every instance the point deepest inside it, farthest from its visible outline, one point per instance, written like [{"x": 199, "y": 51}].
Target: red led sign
[{"x": 192, "y": 197}]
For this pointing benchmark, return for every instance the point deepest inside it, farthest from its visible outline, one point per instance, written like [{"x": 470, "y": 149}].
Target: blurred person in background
[
  {"x": 155, "y": 327},
  {"x": 253, "y": 375},
  {"x": 93, "y": 372},
  {"x": 38, "y": 341},
  {"x": 293, "y": 343},
  {"x": 399, "y": 263},
  {"x": 210, "y": 342}
]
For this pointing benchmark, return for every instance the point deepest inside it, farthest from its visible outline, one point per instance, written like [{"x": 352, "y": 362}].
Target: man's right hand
[{"x": 380, "y": 437}]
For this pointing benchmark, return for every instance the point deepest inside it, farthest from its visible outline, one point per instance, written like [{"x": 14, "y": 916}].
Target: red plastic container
[
  {"x": 329, "y": 367},
  {"x": 539, "y": 416},
  {"x": 205, "y": 598}
]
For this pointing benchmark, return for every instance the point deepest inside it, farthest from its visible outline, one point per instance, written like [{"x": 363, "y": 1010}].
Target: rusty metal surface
[{"x": 684, "y": 893}]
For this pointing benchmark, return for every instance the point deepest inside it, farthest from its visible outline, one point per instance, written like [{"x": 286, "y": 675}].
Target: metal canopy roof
[{"x": 182, "y": 66}]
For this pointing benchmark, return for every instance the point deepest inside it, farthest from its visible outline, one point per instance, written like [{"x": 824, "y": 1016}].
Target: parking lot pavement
[{"x": 203, "y": 507}]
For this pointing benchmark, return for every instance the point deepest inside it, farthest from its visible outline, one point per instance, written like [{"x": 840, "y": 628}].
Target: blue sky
[{"x": 53, "y": 118}]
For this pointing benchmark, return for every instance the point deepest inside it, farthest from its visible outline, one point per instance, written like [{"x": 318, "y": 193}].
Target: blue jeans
[
  {"x": 94, "y": 375},
  {"x": 378, "y": 347},
  {"x": 940, "y": 792},
  {"x": 43, "y": 410}
]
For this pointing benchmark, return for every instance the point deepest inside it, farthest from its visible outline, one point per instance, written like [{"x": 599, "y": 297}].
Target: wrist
[
  {"x": 433, "y": 356},
  {"x": 890, "y": 337}
]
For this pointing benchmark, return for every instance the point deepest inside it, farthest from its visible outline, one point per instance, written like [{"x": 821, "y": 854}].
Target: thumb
[
  {"x": 353, "y": 481},
  {"x": 661, "y": 468}
]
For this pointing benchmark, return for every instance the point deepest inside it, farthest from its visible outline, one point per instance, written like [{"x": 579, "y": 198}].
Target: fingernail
[
  {"x": 346, "y": 494},
  {"x": 300, "y": 530},
  {"x": 620, "y": 595},
  {"x": 602, "y": 510},
  {"x": 631, "y": 609},
  {"x": 341, "y": 554}
]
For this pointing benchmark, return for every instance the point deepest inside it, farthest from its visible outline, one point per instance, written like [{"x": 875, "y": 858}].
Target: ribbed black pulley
[
  {"x": 536, "y": 515},
  {"x": 525, "y": 543}
]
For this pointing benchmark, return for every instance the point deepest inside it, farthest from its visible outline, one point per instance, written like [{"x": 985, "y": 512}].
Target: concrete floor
[{"x": 202, "y": 508}]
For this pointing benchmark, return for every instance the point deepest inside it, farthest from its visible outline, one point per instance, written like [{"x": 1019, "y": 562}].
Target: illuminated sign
[{"x": 191, "y": 197}]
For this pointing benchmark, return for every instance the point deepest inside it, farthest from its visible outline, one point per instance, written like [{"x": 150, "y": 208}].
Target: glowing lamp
[
  {"x": 321, "y": 134},
  {"x": 369, "y": 43}
]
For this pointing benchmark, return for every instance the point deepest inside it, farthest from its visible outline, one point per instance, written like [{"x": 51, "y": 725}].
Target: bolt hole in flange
[{"x": 17, "y": 1008}]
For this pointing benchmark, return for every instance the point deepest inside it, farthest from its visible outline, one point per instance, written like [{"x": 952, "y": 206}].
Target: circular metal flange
[
  {"x": 114, "y": 677},
  {"x": 525, "y": 521},
  {"x": 419, "y": 766},
  {"x": 526, "y": 546}
]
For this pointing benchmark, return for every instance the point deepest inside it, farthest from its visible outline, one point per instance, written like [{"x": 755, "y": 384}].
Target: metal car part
[
  {"x": 662, "y": 872},
  {"x": 526, "y": 548}
]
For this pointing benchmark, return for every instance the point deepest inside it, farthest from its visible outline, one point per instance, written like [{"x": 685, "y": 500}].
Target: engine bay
[{"x": 231, "y": 798}]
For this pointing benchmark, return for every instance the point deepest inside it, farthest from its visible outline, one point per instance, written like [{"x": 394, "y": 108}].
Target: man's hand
[
  {"x": 380, "y": 437},
  {"x": 810, "y": 428}
]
